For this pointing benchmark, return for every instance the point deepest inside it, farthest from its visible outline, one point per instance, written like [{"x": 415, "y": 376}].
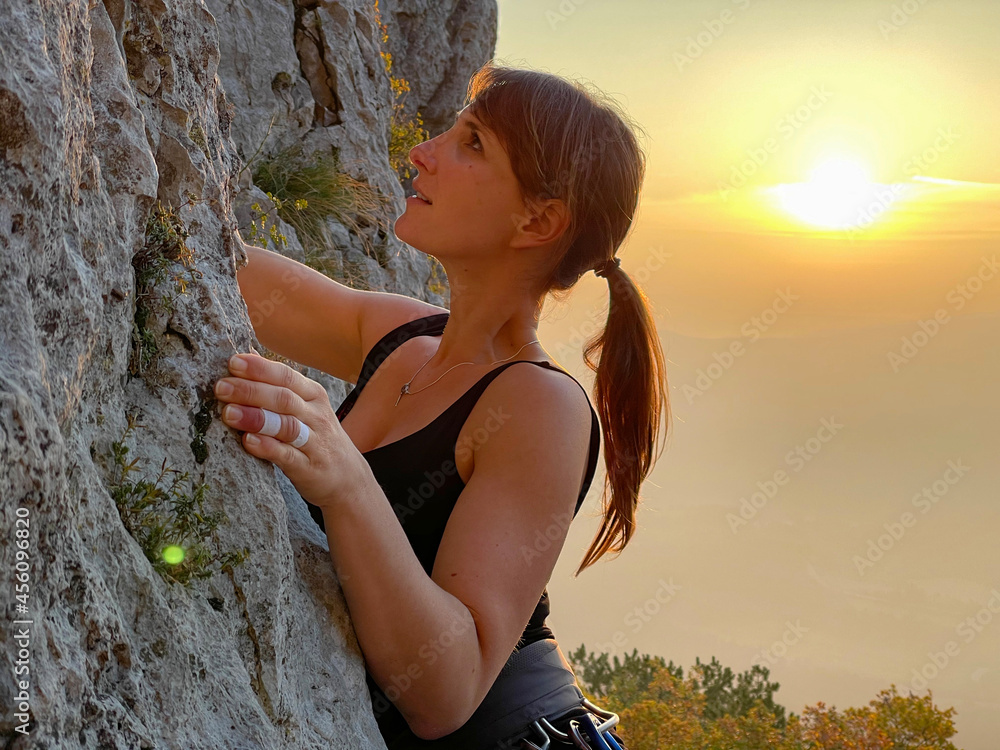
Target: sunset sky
[{"x": 821, "y": 198}]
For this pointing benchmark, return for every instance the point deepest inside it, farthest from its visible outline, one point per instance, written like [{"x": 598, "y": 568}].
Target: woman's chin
[
  {"x": 399, "y": 229},
  {"x": 404, "y": 233}
]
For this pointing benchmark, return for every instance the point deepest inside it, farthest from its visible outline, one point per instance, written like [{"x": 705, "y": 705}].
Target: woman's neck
[{"x": 484, "y": 328}]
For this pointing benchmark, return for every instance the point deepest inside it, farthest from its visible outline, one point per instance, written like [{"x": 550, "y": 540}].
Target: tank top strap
[
  {"x": 431, "y": 325},
  {"x": 457, "y": 417},
  {"x": 476, "y": 391},
  {"x": 454, "y": 416}
]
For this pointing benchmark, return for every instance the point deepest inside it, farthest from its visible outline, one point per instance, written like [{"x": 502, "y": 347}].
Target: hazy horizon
[{"x": 865, "y": 378}]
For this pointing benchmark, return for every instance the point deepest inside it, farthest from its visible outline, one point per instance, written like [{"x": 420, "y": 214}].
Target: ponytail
[{"x": 630, "y": 393}]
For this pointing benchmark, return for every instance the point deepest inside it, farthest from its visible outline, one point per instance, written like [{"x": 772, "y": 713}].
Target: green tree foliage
[
  {"x": 715, "y": 709},
  {"x": 627, "y": 680},
  {"x": 632, "y": 677},
  {"x": 723, "y": 698}
]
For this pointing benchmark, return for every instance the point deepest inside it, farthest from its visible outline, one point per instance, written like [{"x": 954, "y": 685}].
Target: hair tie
[{"x": 610, "y": 265}]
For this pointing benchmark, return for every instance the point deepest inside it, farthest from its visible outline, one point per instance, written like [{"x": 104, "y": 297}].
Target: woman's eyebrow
[{"x": 471, "y": 123}]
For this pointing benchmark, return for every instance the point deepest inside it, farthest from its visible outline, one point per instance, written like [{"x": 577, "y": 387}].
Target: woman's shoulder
[
  {"x": 559, "y": 376},
  {"x": 544, "y": 391},
  {"x": 384, "y": 313}
]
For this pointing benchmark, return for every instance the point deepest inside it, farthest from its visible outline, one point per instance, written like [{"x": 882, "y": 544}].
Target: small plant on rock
[
  {"x": 167, "y": 518},
  {"x": 405, "y": 132},
  {"x": 312, "y": 189},
  {"x": 259, "y": 235},
  {"x": 163, "y": 251}
]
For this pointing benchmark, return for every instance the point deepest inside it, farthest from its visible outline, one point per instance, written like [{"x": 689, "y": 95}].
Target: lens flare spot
[{"x": 173, "y": 554}]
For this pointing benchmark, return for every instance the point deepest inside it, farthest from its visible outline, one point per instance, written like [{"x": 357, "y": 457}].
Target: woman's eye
[{"x": 475, "y": 139}]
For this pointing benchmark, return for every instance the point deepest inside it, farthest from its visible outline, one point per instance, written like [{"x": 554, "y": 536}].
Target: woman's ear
[{"x": 544, "y": 222}]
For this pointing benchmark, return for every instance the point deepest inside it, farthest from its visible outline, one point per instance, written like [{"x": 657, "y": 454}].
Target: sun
[{"x": 837, "y": 195}]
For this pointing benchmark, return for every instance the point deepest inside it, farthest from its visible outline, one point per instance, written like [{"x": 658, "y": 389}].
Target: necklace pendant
[{"x": 405, "y": 389}]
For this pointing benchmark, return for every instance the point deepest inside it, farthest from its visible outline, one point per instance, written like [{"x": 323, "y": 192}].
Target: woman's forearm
[{"x": 415, "y": 636}]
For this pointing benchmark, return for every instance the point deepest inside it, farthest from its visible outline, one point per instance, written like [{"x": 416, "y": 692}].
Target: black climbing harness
[{"x": 535, "y": 703}]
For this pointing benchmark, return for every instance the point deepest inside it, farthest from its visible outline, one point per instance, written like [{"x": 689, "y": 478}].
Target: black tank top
[{"x": 421, "y": 481}]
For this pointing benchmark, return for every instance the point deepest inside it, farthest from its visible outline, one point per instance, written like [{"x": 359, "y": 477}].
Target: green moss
[
  {"x": 197, "y": 135},
  {"x": 164, "y": 250}
]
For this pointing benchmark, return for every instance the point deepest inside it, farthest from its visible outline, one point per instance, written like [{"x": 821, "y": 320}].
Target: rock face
[
  {"x": 125, "y": 127},
  {"x": 435, "y": 45}
]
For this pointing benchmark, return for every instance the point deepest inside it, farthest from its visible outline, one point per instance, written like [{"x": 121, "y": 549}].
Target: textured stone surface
[
  {"x": 105, "y": 108},
  {"x": 436, "y": 46}
]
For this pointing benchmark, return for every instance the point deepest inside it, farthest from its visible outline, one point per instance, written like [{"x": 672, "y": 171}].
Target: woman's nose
[{"x": 420, "y": 156}]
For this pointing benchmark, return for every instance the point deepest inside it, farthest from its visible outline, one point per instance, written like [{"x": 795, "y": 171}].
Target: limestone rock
[
  {"x": 118, "y": 318},
  {"x": 436, "y": 46}
]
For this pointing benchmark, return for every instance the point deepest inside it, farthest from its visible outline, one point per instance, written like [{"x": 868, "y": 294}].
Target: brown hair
[{"x": 569, "y": 142}]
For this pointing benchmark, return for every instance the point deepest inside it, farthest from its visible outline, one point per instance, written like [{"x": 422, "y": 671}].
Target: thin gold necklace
[{"x": 405, "y": 390}]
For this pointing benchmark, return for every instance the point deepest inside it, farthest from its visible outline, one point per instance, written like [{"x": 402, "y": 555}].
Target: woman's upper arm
[
  {"x": 312, "y": 319},
  {"x": 526, "y": 480}
]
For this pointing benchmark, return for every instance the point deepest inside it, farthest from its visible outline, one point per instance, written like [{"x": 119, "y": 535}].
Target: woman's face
[{"x": 474, "y": 197}]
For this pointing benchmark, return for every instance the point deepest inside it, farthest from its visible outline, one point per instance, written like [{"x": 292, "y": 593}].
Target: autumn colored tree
[
  {"x": 756, "y": 729},
  {"x": 629, "y": 678},
  {"x": 822, "y": 728},
  {"x": 714, "y": 709},
  {"x": 889, "y": 722},
  {"x": 667, "y": 715}
]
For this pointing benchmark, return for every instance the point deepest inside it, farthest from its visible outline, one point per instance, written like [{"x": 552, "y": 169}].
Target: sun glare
[{"x": 836, "y": 196}]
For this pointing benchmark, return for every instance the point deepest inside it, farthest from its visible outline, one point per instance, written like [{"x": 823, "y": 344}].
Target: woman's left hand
[{"x": 327, "y": 467}]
